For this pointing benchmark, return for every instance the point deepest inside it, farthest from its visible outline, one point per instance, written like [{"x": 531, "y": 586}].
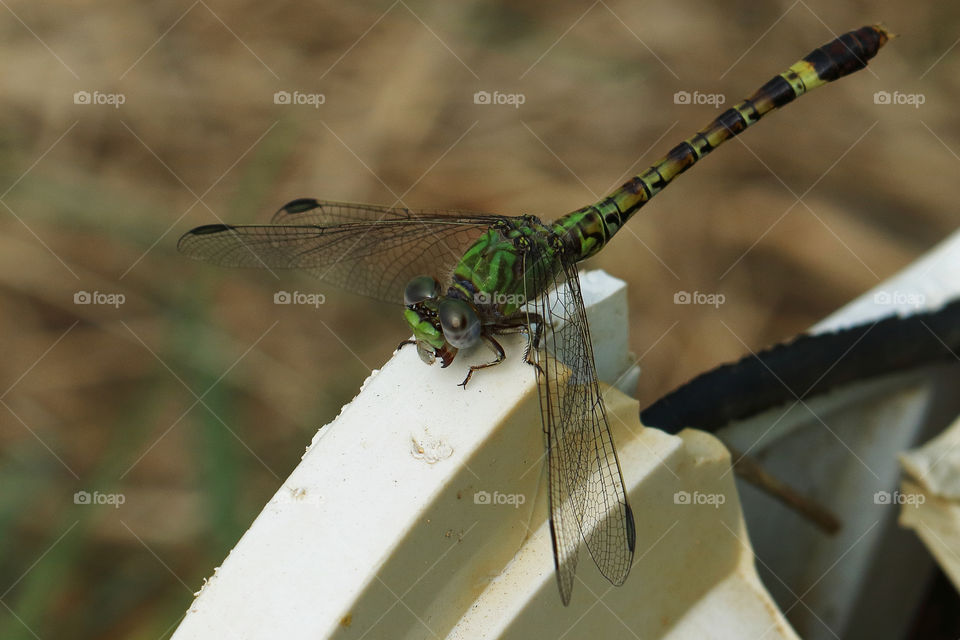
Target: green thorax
[{"x": 513, "y": 262}]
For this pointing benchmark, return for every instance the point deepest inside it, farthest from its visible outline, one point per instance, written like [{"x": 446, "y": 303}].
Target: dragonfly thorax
[{"x": 441, "y": 324}]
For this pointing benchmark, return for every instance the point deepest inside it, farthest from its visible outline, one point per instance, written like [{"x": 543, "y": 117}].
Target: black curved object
[{"x": 807, "y": 366}]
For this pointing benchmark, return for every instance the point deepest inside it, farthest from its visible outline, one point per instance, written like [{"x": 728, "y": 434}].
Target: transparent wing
[
  {"x": 366, "y": 249},
  {"x": 587, "y": 495}
]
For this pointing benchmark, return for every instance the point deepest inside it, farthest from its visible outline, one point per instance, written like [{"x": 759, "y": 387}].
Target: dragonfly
[{"x": 461, "y": 279}]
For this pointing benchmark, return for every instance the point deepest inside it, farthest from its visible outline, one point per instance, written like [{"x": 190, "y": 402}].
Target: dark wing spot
[
  {"x": 300, "y": 205},
  {"x": 209, "y": 228}
]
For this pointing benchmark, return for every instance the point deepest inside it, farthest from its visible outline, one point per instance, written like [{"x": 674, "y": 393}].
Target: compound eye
[
  {"x": 460, "y": 324},
  {"x": 420, "y": 289}
]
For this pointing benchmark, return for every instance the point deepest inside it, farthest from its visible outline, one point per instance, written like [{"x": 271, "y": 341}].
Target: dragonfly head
[{"x": 441, "y": 325}]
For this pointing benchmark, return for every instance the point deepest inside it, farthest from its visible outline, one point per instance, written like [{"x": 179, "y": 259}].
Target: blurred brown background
[{"x": 195, "y": 398}]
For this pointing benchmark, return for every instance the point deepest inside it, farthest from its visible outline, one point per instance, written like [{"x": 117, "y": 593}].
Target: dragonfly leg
[
  {"x": 534, "y": 321},
  {"x": 497, "y": 349},
  {"x": 400, "y": 346},
  {"x": 515, "y": 324}
]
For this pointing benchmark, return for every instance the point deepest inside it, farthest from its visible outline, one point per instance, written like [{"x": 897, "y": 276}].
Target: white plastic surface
[
  {"x": 420, "y": 512},
  {"x": 693, "y": 575},
  {"x": 379, "y": 519}
]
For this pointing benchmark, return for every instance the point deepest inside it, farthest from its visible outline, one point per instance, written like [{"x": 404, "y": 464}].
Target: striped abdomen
[{"x": 588, "y": 229}]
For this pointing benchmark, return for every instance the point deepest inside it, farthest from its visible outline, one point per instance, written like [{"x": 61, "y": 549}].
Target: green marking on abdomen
[{"x": 587, "y": 230}]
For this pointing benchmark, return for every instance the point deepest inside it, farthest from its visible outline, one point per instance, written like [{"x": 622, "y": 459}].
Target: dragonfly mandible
[{"x": 463, "y": 278}]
